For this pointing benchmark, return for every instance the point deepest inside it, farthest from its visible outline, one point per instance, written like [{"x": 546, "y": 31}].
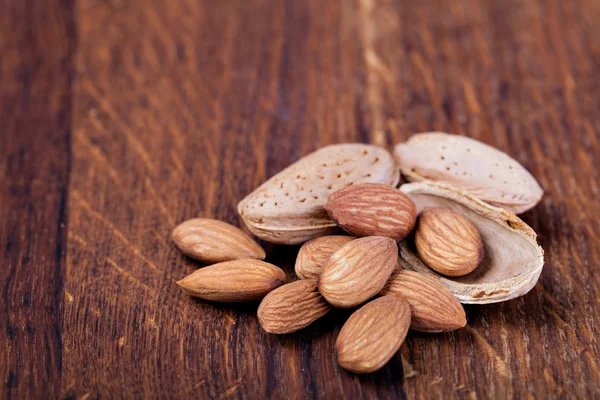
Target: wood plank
[
  {"x": 37, "y": 42},
  {"x": 181, "y": 108}
]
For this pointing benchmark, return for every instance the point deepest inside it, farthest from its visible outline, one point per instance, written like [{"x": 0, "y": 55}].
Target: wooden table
[{"x": 119, "y": 119}]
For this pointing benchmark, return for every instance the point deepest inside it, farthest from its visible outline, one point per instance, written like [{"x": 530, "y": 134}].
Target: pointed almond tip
[
  {"x": 458, "y": 323},
  {"x": 262, "y": 255},
  {"x": 181, "y": 283}
]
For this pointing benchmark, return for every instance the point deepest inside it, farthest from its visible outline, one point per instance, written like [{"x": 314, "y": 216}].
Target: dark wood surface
[{"x": 120, "y": 119}]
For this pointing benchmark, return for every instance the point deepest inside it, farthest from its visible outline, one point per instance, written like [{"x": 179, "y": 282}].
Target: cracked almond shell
[
  {"x": 513, "y": 260},
  {"x": 289, "y": 207},
  {"x": 472, "y": 166}
]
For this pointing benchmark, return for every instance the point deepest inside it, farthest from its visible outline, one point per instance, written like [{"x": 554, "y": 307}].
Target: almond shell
[{"x": 513, "y": 259}]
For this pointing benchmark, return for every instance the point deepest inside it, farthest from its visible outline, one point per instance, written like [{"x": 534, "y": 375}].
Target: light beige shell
[
  {"x": 513, "y": 260},
  {"x": 481, "y": 170},
  {"x": 289, "y": 207}
]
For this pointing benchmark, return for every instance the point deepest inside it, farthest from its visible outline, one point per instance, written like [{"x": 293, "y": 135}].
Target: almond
[
  {"x": 212, "y": 241},
  {"x": 371, "y": 209},
  {"x": 315, "y": 253},
  {"x": 289, "y": 207},
  {"x": 373, "y": 334},
  {"x": 292, "y": 307},
  {"x": 465, "y": 163},
  {"x": 513, "y": 260},
  {"x": 358, "y": 271},
  {"x": 234, "y": 281},
  {"x": 447, "y": 242},
  {"x": 434, "y": 308}
]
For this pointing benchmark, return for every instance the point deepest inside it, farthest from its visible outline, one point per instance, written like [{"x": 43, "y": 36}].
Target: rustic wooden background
[{"x": 120, "y": 119}]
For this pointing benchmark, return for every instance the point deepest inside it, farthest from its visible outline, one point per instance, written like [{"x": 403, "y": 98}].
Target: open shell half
[{"x": 513, "y": 260}]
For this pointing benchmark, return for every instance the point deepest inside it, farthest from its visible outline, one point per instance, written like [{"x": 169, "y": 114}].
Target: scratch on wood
[
  {"x": 159, "y": 202},
  {"x": 197, "y": 385},
  {"x": 69, "y": 297},
  {"x": 94, "y": 150},
  {"x": 161, "y": 239},
  {"x": 471, "y": 97},
  {"x": 375, "y": 69},
  {"x": 408, "y": 369},
  {"x": 229, "y": 317},
  {"x": 125, "y": 273},
  {"x": 116, "y": 232},
  {"x": 96, "y": 95},
  {"x": 77, "y": 238},
  {"x": 231, "y": 390},
  {"x": 163, "y": 34},
  {"x": 421, "y": 65},
  {"x": 152, "y": 323},
  {"x": 497, "y": 362}
]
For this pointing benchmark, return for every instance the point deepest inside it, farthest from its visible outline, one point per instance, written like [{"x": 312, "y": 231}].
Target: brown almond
[
  {"x": 213, "y": 241},
  {"x": 358, "y": 271},
  {"x": 315, "y": 253},
  {"x": 292, "y": 307},
  {"x": 448, "y": 242},
  {"x": 434, "y": 307},
  {"x": 373, "y": 334},
  {"x": 234, "y": 281},
  {"x": 371, "y": 209}
]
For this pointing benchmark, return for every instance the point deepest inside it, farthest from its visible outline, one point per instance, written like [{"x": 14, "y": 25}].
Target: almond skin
[
  {"x": 373, "y": 334},
  {"x": 212, "y": 241},
  {"x": 315, "y": 253},
  {"x": 358, "y": 271},
  {"x": 448, "y": 242},
  {"x": 371, "y": 209},
  {"x": 234, "y": 281},
  {"x": 292, "y": 307},
  {"x": 434, "y": 307}
]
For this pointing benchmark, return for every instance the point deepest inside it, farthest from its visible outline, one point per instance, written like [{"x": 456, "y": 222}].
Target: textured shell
[
  {"x": 315, "y": 253},
  {"x": 234, "y": 281},
  {"x": 358, "y": 271},
  {"x": 481, "y": 170},
  {"x": 448, "y": 242},
  {"x": 288, "y": 208},
  {"x": 371, "y": 209},
  {"x": 373, "y": 334},
  {"x": 292, "y": 307},
  {"x": 434, "y": 308},
  {"x": 214, "y": 241},
  {"x": 513, "y": 260}
]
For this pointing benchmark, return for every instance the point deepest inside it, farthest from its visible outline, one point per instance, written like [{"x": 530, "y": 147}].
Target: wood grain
[
  {"x": 177, "y": 109},
  {"x": 37, "y": 41}
]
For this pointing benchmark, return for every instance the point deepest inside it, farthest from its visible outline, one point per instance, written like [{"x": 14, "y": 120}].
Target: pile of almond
[{"x": 404, "y": 257}]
